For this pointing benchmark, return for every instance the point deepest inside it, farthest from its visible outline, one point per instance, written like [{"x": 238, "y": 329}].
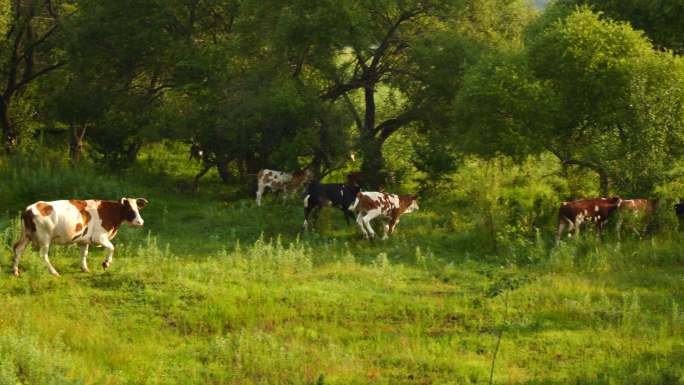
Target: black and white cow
[{"x": 335, "y": 194}]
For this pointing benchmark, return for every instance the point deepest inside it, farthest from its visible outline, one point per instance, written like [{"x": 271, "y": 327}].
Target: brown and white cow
[
  {"x": 575, "y": 213},
  {"x": 281, "y": 181},
  {"x": 372, "y": 204},
  {"x": 638, "y": 213},
  {"x": 84, "y": 222}
]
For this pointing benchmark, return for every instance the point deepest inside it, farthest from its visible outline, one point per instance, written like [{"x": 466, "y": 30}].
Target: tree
[
  {"x": 4, "y": 16},
  {"x": 123, "y": 58},
  {"x": 660, "y": 19},
  {"x": 593, "y": 92},
  {"x": 409, "y": 56},
  {"x": 28, "y": 51}
]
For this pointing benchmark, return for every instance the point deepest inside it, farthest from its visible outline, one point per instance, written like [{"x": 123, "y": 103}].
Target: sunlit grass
[{"x": 219, "y": 292}]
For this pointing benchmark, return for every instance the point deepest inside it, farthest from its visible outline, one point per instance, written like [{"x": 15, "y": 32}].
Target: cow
[
  {"x": 278, "y": 180},
  {"x": 83, "y": 222},
  {"x": 679, "y": 211},
  {"x": 575, "y": 213},
  {"x": 371, "y": 204},
  {"x": 335, "y": 194},
  {"x": 637, "y": 212}
]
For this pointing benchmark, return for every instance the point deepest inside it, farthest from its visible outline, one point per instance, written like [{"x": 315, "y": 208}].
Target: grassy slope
[{"x": 205, "y": 295}]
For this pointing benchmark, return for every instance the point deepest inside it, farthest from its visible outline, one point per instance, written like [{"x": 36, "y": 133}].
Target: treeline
[{"x": 289, "y": 83}]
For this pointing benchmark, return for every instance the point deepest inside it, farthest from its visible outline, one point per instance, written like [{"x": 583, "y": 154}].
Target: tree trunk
[
  {"x": 604, "y": 180},
  {"x": 132, "y": 152},
  {"x": 371, "y": 147},
  {"x": 373, "y": 162},
  {"x": 76, "y": 142},
  {"x": 9, "y": 135}
]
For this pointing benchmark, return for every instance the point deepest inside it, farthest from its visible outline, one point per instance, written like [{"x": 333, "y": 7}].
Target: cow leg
[
  {"x": 84, "y": 256},
  {"x": 359, "y": 221},
  {"x": 577, "y": 224},
  {"x": 618, "y": 227},
  {"x": 104, "y": 241},
  {"x": 259, "y": 193},
  {"x": 387, "y": 230},
  {"x": 391, "y": 226},
  {"x": 347, "y": 215},
  {"x": 19, "y": 248},
  {"x": 308, "y": 210},
  {"x": 559, "y": 233},
  {"x": 366, "y": 221},
  {"x": 44, "y": 249}
]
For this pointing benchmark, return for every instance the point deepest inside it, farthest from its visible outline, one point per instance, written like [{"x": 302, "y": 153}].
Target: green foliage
[
  {"x": 4, "y": 16},
  {"x": 23, "y": 360},
  {"x": 591, "y": 91},
  {"x": 660, "y": 19}
]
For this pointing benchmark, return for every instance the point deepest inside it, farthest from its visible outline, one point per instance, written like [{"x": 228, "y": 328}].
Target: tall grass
[{"x": 220, "y": 292}]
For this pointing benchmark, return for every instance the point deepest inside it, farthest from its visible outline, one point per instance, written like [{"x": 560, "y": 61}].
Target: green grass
[{"x": 213, "y": 291}]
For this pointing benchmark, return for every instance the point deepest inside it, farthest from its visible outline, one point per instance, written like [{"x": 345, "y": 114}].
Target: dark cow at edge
[
  {"x": 335, "y": 194},
  {"x": 679, "y": 211},
  {"x": 574, "y": 213}
]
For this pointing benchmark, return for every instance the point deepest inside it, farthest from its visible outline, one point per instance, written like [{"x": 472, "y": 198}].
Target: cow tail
[{"x": 28, "y": 226}]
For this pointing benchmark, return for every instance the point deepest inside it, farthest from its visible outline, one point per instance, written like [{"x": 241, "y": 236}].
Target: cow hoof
[
  {"x": 105, "y": 265},
  {"x": 55, "y": 273},
  {"x": 15, "y": 272},
  {"x": 85, "y": 270}
]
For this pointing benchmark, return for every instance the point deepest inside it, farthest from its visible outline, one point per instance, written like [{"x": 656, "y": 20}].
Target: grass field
[{"x": 216, "y": 291}]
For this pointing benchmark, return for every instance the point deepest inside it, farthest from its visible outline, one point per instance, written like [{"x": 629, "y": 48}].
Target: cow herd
[
  {"x": 96, "y": 222},
  {"x": 348, "y": 197}
]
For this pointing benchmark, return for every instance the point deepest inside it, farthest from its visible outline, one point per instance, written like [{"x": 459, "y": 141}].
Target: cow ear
[{"x": 141, "y": 202}]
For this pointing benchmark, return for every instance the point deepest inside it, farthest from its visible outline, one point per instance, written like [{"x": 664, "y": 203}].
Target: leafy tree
[
  {"x": 660, "y": 19},
  {"x": 593, "y": 92},
  {"x": 406, "y": 59},
  {"x": 123, "y": 59},
  {"x": 29, "y": 50}
]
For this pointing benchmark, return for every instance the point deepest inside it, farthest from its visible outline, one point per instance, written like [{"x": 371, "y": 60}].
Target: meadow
[{"x": 214, "y": 290}]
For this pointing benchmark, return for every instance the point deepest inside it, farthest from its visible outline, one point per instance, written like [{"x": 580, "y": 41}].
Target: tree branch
[
  {"x": 380, "y": 51},
  {"x": 604, "y": 179},
  {"x": 390, "y": 126},
  {"x": 354, "y": 112},
  {"x": 39, "y": 73}
]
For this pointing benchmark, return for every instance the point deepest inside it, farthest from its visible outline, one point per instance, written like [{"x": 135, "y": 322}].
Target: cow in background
[
  {"x": 370, "y": 205},
  {"x": 679, "y": 211},
  {"x": 638, "y": 213},
  {"x": 281, "y": 181},
  {"x": 321, "y": 195},
  {"x": 83, "y": 222},
  {"x": 574, "y": 213}
]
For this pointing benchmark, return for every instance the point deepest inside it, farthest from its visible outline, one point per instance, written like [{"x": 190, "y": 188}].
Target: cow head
[
  {"x": 131, "y": 210},
  {"x": 412, "y": 203},
  {"x": 616, "y": 200}
]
